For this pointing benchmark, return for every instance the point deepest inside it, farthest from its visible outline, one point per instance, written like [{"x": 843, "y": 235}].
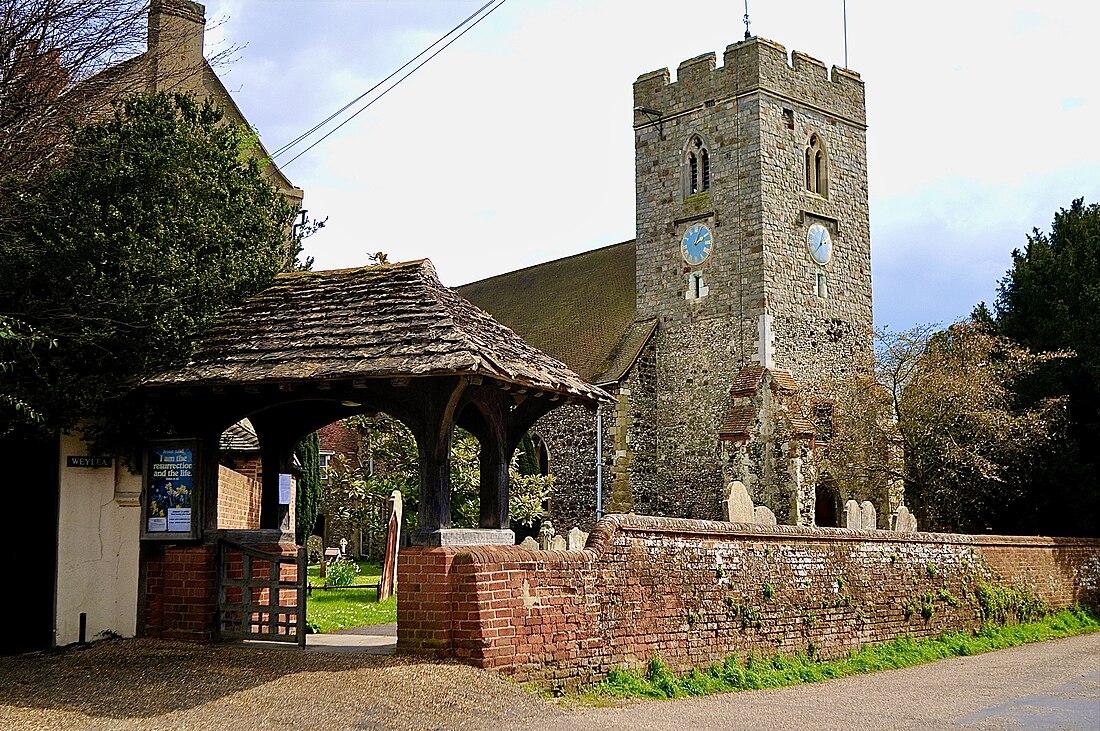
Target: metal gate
[{"x": 255, "y": 601}]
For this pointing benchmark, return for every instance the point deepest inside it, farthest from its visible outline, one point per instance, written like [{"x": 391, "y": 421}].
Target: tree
[
  {"x": 942, "y": 417},
  {"x": 52, "y": 57},
  {"x": 968, "y": 439},
  {"x": 387, "y": 461},
  {"x": 1050, "y": 300},
  {"x": 155, "y": 220},
  {"x": 308, "y": 497}
]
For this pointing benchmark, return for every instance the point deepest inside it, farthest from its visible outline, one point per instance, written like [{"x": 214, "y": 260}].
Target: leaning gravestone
[
  {"x": 530, "y": 544},
  {"x": 577, "y": 539},
  {"x": 763, "y": 516},
  {"x": 738, "y": 504},
  {"x": 559, "y": 544},
  {"x": 868, "y": 519},
  {"x": 853, "y": 518}
]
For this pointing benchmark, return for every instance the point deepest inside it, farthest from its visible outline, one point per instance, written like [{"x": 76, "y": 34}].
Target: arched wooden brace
[
  {"x": 492, "y": 415},
  {"x": 429, "y": 413},
  {"x": 279, "y": 429}
]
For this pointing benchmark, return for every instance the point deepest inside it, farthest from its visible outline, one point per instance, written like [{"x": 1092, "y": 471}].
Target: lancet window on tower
[
  {"x": 696, "y": 167},
  {"x": 817, "y": 166}
]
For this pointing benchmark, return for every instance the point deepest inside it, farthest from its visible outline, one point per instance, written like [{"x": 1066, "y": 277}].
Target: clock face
[
  {"x": 819, "y": 243},
  {"x": 696, "y": 244}
]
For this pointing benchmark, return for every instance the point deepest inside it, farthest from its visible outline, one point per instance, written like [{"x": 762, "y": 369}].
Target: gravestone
[
  {"x": 530, "y": 544},
  {"x": 559, "y": 544},
  {"x": 868, "y": 519},
  {"x": 903, "y": 523},
  {"x": 738, "y": 504},
  {"x": 852, "y": 517},
  {"x": 577, "y": 539},
  {"x": 763, "y": 516},
  {"x": 546, "y": 534},
  {"x": 315, "y": 548}
]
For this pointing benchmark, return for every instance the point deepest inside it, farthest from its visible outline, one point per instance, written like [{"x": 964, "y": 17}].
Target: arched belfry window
[
  {"x": 817, "y": 166},
  {"x": 696, "y": 166}
]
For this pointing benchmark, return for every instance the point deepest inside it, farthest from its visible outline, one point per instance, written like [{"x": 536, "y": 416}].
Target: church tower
[{"x": 753, "y": 252}]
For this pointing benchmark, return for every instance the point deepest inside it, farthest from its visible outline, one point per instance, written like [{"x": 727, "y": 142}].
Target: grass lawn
[
  {"x": 336, "y": 609},
  {"x": 778, "y": 671}
]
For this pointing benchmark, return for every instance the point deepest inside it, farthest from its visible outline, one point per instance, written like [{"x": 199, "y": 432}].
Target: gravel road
[{"x": 156, "y": 685}]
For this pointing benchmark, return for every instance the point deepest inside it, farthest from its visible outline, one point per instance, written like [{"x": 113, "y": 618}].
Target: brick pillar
[
  {"x": 179, "y": 594},
  {"x": 425, "y": 620}
]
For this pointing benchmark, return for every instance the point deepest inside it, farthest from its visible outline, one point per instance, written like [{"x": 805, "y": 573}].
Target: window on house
[
  {"x": 822, "y": 286},
  {"x": 817, "y": 167},
  {"x": 696, "y": 167},
  {"x": 324, "y": 461}
]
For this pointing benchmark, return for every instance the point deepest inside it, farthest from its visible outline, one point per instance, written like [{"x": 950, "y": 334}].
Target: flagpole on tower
[
  {"x": 845, "y": 13},
  {"x": 747, "y": 35}
]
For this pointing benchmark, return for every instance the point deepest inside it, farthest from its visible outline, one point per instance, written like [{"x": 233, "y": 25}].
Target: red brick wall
[
  {"x": 336, "y": 437},
  {"x": 180, "y": 588},
  {"x": 238, "y": 500},
  {"x": 179, "y": 593},
  {"x": 696, "y": 592}
]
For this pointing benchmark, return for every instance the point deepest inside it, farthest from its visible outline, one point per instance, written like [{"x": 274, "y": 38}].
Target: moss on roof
[{"x": 576, "y": 309}]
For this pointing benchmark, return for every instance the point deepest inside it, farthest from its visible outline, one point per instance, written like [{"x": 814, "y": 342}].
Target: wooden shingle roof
[
  {"x": 394, "y": 320},
  {"x": 579, "y": 309}
]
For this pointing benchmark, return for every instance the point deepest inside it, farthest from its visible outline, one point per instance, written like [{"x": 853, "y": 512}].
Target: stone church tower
[
  {"x": 753, "y": 256},
  {"x": 724, "y": 326}
]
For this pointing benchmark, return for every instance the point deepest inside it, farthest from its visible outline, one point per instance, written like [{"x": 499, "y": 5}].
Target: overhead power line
[{"x": 469, "y": 24}]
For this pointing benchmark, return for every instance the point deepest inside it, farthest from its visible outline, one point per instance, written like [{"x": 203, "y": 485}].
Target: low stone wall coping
[{"x": 611, "y": 524}]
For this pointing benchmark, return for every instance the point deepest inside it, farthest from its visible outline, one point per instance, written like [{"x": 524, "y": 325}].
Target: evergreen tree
[
  {"x": 1050, "y": 300},
  {"x": 308, "y": 498},
  {"x": 154, "y": 220}
]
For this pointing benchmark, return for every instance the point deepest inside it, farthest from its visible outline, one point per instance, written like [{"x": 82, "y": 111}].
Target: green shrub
[{"x": 341, "y": 572}]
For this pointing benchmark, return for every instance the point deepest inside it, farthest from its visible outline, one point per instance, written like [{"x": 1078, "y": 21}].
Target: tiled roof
[
  {"x": 577, "y": 309},
  {"x": 738, "y": 423},
  {"x": 385, "y": 321},
  {"x": 240, "y": 437},
  {"x": 748, "y": 380},
  {"x": 784, "y": 381},
  {"x": 626, "y": 351}
]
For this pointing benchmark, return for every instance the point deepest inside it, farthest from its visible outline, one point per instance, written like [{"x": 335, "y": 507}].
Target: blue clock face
[
  {"x": 696, "y": 244},
  {"x": 820, "y": 244}
]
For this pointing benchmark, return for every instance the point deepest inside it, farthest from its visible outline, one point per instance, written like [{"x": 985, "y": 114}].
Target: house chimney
[{"x": 176, "y": 29}]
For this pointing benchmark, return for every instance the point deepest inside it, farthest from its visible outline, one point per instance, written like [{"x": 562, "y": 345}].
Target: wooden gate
[{"x": 258, "y": 599}]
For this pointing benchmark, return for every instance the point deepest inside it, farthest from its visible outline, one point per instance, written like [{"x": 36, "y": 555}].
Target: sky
[{"x": 514, "y": 146}]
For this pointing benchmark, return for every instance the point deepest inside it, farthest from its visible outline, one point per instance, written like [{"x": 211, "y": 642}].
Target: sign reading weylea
[
  {"x": 85, "y": 461},
  {"x": 169, "y": 491}
]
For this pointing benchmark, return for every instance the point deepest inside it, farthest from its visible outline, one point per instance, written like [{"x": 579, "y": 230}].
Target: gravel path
[{"x": 157, "y": 685}]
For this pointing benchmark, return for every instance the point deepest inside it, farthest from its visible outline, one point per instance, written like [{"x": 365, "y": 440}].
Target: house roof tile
[{"x": 386, "y": 321}]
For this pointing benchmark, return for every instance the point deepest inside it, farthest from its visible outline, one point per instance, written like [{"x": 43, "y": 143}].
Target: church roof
[
  {"x": 579, "y": 309},
  {"x": 395, "y": 320}
]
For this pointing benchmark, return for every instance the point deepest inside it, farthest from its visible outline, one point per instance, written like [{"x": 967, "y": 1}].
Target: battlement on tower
[{"x": 753, "y": 65}]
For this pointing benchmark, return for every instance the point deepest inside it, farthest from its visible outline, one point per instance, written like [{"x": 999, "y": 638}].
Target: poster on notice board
[{"x": 170, "y": 491}]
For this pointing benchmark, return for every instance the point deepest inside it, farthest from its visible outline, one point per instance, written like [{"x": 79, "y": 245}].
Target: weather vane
[{"x": 747, "y": 35}]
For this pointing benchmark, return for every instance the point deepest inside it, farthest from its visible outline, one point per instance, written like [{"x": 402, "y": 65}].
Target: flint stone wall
[{"x": 695, "y": 592}]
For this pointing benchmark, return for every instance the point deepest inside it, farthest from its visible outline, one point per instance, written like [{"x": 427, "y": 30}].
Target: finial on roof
[{"x": 747, "y": 34}]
